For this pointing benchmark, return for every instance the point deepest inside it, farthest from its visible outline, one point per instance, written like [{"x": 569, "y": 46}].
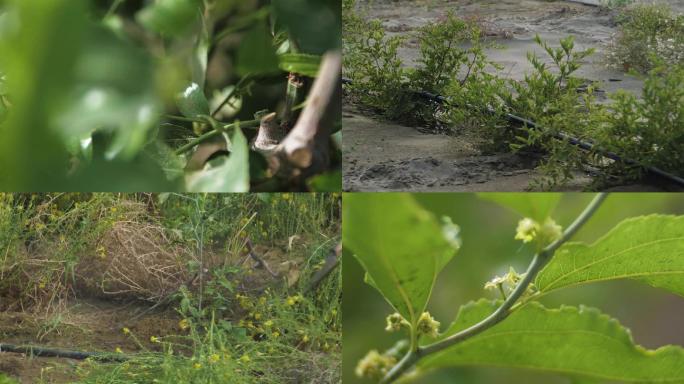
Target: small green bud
[
  {"x": 549, "y": 232},
  {"x": 374, "y": 365},
  {"x": 395, "y": 321},
  {"x": 427, "y": 325}
]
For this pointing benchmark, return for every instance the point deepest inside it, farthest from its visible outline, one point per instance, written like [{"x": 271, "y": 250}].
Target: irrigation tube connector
[
  {"x": 30, "y": 350},
  {"x": 560, "y": 136}
]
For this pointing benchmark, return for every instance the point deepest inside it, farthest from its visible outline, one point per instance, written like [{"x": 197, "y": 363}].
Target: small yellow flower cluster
[
  {"x": 374, "y": 366},
  {"x": 184, "y": 324},
  {"x": 292, "y": 300},
  {"x": 304, "y": 336},
  {"x": 243, "y": 301},
  {"x": 427, "y": 325},
  {"x": 544, "y": 234},
  {"x": 507, "y": 283},
  {"x": 101, "y": 252},
  {"x": 395, "y": 321}
]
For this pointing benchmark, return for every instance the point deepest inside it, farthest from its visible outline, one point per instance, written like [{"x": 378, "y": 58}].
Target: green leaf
[
  {"x": 6, "y": 380},
  {"x": 113, "y": 92},
  {"x": 403, "y": 268},
  {"x": 327, "y": 182},
  {"x": 230, "y": 176},
  {"x": 256, "y": 54},
  {"x": 3, "y": 110},
  {"x": 300, "y": 63},
  {"x": 44, "y": 49},
  {"x": 647, "y": 248},
  {"x": 578, "y": 341},
  {"x": 192, "y": 102},
  {"x": 315, "y": 25},
  {"x": 170, "y": 17},
  {"x": 537, "y": 206}
]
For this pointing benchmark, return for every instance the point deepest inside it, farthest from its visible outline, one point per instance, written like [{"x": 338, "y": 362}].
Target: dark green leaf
[
  {"x": 170, "y": 17},
  {"x": 257, "y": 53},
  {"x": 300, "y": 63}
]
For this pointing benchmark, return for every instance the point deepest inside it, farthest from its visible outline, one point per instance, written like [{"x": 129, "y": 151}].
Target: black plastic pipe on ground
[
  {"x": 30, "y": 350},
  {"x": 564, "y": 137}
]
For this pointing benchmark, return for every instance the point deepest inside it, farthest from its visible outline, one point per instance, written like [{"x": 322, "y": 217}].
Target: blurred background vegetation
[
  {"x": 487, "y": 230},
  {"x": 102, "y": 95}
]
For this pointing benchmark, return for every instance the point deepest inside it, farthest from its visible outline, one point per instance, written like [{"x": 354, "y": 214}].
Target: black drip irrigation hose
[
  {"x": 563, "y": 137},
  {"x": 30, "y": 350}
]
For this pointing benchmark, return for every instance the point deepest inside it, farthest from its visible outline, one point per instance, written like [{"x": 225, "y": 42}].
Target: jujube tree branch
[{"x": 501, "y": 313}]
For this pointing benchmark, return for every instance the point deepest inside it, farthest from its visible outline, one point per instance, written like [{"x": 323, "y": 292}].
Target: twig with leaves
[{"x": 507, "y": 307}]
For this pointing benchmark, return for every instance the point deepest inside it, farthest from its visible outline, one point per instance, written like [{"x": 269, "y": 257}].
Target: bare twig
[
  {"x": 261, "y": 263},
  {"x": 307, "y": 144}
]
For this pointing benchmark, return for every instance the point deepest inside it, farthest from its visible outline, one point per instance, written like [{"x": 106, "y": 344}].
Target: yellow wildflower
[
  {"x": 244, "y": 358},
  {"x": 184, "y": 324},
  {"x": 197, "y": 366},
  {"x": 526, "y": 230},
  {"x": 427, "y": 325},
  {"x": 125, "y": 331},
  {"x": 214, "y": 358},
  {"x": 154, "y": 339},
  {"x": 118, "y": 350}
]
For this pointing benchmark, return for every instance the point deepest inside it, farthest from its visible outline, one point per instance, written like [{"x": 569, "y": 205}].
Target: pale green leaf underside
[
  {"x": 537, "y": 206},
  {"x": 569, "y": 340},
  {"x": 230, "y": 176},
  {"x": 400, "y": 245},
  {"x": 647, "y": 248}
]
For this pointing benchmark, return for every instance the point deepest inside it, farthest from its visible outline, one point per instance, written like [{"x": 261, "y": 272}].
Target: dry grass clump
[
  {"x": 97, "y": 248},
  {"x": 134, "y": 259}
]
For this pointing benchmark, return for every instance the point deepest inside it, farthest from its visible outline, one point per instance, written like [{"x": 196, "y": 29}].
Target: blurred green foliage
[
  {"x": 89, "y": 90},
  {"x": 488, "y": 249}
]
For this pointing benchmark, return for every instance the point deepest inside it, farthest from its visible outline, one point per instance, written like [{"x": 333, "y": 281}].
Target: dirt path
[
  {"x": 381, "y": 155},
  {"x": 84, "y": 325}
]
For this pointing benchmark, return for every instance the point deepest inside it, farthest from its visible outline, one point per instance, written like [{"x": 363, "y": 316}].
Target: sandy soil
[{"x": 381, "y": 155}]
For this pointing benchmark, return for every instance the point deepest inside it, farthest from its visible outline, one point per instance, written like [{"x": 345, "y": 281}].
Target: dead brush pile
[
  {"x": 134, "y": 258},
  {"x": 103, "y": 249}
]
